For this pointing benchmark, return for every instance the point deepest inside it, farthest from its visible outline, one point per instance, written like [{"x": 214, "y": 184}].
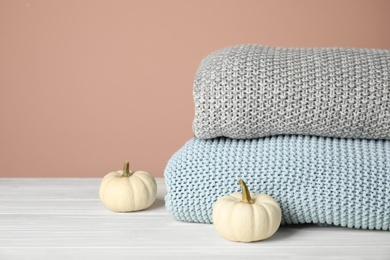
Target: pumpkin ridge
[
  {"x": 269, "y": 212},
  {"x": 268, "y": 201},
  {"x": 130, "y": 184},
  {"x": 238, "y": 232},
  {"x": 105, "y": 187},
  {"x": 269, "y": 218},
  {"x": 236, "y": 195},
  {"x": 146, "y": 187},
  {"x": 254, "y": 232}
]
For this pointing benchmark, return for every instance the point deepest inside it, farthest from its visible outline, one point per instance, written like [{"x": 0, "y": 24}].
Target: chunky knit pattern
[
  {"x": 251, "y": 91},
  {"x": 319, "y": 180}
]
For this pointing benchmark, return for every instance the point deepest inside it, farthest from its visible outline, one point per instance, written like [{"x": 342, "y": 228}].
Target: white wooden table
[{"x": 64, "y": 219}]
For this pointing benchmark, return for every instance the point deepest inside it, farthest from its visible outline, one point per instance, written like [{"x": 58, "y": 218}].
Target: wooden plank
[
  {"x": 23, "y": 189},
  {"x": 66, "y": 207},
  {"x": 224, "y": 253},
  {"x": 185, "y": 235}
]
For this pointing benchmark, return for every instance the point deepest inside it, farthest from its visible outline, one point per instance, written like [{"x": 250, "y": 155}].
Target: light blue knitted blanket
[{"x": 321, "y": 180}]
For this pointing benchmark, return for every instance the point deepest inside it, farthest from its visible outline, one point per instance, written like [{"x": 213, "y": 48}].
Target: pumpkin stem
[
  {"x": 126, "y": 169},
  {"x": 246, "y": 197}
]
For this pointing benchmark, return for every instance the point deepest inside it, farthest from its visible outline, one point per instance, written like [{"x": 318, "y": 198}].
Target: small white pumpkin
[
  {"x": 246, "y": 217},
  {"x": 125, "y": 190}
]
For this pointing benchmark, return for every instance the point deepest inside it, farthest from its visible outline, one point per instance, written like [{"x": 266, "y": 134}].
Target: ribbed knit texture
[
  {"x": 250, "y": 91},
  {"x": 319, "y": 180}
]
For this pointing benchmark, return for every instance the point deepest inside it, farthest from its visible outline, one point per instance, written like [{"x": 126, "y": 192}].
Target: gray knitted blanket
[{"x": 251, "y": 91}]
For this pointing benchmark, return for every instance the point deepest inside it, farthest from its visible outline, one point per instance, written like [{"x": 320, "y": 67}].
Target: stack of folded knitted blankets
[{"x": 308, "y": 126}]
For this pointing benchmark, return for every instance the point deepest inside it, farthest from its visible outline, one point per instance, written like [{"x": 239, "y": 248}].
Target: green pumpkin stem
[
  {"x": 126, "y": 170},
  {"x": 246, "y": 197}
]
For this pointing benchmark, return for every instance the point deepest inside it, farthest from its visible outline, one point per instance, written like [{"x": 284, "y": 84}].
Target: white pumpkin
[
  {"x": 125, "y": 190},
  {"x": 246, "y": 217}
]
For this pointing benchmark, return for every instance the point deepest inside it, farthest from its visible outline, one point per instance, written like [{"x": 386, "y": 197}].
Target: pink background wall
[{"x": 87, "y": 84}]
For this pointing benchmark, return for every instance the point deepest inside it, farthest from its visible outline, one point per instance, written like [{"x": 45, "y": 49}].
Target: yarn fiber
[
  {"x": 320, "y": 180},
  {"x": 251, "y": 91}
]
